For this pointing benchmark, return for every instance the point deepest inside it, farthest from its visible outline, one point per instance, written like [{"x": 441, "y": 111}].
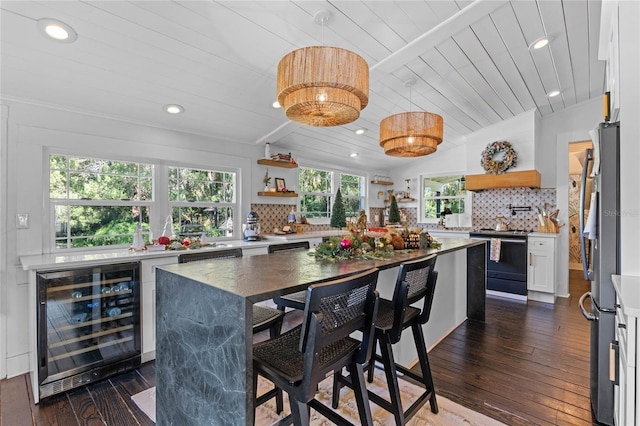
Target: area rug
[{"x": 450, "y": 413}]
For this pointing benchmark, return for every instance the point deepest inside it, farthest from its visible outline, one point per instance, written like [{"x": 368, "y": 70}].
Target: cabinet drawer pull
[
  {"x": 530, "y": 259},
  {"x": 621, "y": 325}
]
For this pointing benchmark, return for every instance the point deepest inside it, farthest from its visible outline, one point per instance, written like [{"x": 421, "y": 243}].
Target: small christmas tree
[
  {"x": 394, "y": 212},
  {"x": 338, "y": 217}
]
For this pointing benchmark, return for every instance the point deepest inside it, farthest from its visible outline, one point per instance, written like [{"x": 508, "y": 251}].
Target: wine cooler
[{"x": 88, "y": 325}]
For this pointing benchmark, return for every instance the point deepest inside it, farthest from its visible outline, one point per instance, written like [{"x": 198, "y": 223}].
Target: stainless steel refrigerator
[{"x": 600, "y": 203}]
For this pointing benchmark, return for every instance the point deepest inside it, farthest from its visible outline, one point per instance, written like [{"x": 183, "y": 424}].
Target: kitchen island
[{"x": 204, "y": 320}]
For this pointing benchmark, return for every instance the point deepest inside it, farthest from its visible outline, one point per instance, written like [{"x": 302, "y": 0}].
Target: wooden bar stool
[
  {"x": 300, "y": 358},
  {"x": 294, "y": 300},
  {"x": 416, "y": 281}
]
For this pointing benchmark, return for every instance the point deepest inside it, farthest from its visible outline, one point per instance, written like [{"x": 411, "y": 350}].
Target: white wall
[
  {"x": 629, "y": 28},
  {"x": 34, "y": 131},
  {"x": 557, "y": 131},
  {"x": 465, "y": 158},
  {"x": 3, "y": 232},
  {"x": 519, "y": 131}
]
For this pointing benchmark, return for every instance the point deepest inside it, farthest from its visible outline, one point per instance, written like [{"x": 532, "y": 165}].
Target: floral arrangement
[
  {"x": 174, "y": 243},
  {"x": 502, "y": 149},
  {"x": 354, "y": 246}
]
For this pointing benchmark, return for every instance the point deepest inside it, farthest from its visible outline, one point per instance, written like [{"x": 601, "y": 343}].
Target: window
[
  {"x": 98, "y": 202},
  {"x": 443, "y": 194},
  {"x": 352, "y": 188},
  {"x": 315, "y": 192},
  {"x": 202, "y": 201}
]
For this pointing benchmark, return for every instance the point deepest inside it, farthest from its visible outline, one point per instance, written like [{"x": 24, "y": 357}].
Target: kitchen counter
[
  {"x": 628, "y": 290},
  {"x": 43, "y": 262},
  {"x": 204, "y": 319}
]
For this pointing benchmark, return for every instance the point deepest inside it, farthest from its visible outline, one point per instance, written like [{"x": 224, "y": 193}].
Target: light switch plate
[{"x": 22, "y": 220}]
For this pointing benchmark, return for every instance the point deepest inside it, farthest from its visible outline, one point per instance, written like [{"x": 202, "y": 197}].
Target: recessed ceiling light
[
  {"x": 539, "y": 43},
  {"x": 173, "y": 109},
  {"x": 353, "y": 154},
  {"x": 276, "y": 104},
  {"x": 553, "y": 93},
  {"x": 360, "y": 131},
  {"x": 57, "y": 30}
]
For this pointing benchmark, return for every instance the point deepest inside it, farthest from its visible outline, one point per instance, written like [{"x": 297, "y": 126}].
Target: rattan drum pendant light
[
  {"x": 411, "y": 134},
  {"x": 321, "y": 85}
]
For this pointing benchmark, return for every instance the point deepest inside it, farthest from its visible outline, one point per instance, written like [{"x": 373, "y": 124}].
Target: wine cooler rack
[{"x": 88, "y": 325}]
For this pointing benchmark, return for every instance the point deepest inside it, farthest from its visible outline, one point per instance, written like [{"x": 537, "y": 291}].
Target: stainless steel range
[{"x": 506, "y": 272}]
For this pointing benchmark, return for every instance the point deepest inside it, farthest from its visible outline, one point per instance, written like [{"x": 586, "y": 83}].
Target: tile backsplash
[
  {"x": 490, "y": 203},
  {"x": 487, "y": 205}
]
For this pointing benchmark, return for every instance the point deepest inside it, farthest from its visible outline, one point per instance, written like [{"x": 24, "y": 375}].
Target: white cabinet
[
  {"x": 627, "y": 313},
  {"x": 541, "y": 269},
  {"x": 435, "y": 233},
  {"x": 148, "y": 304}
]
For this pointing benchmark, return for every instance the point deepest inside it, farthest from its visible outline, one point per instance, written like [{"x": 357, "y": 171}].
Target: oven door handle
[{"x": 504, "y": 240}]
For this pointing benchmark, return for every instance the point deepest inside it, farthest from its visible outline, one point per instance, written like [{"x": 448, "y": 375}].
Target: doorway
[{"x": 576, "y": 159}]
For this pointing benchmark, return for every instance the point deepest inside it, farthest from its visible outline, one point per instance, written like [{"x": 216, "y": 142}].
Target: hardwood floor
[{"x": 528, "y": 364}]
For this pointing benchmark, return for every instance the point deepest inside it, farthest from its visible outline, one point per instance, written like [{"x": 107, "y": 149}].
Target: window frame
[
  {"x": 422, "y": 199},
  {"x": 330, "y": 195},
  {"x": 80, "y": 202},
  {"x": 205, "y": 204},
  {"x": 159, "y": 205},
  {"x": 336, "y": 182},
  {"x": 362, "y": 197}
]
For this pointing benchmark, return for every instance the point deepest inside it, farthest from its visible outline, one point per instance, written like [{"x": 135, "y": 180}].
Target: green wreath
[{"x": 509, "y": 158}]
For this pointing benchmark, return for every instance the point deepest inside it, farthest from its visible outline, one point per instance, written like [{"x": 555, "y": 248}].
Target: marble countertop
[
  {"x": 263, "y": 277},
  {"x": 628, "y": 290},
  {"x": 81, "y": 258},
  {"x": 105, "y": 256}
]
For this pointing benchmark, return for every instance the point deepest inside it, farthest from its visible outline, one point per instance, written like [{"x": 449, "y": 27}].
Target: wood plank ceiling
[{"x": 218, "y": 59}]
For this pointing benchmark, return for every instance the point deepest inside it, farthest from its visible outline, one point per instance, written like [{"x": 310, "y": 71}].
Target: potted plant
[{"x": 266, "y": 180}]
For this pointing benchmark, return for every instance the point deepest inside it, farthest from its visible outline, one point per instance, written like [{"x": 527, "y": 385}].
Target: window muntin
[
  {"x": 441, "y": 193},
  {"x": 98, "y": 202},
  {"x": 315, "y": 192},
  {"x": 202, "y": 201},
  {"x": 352, "y": 188}
]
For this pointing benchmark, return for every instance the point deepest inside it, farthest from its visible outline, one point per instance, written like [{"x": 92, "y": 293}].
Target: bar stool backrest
[
  {"x": 333, "y": 311},
  {"x": 416, "y": 280}
]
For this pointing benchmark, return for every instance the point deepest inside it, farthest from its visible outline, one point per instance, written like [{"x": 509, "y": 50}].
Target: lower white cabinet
[
  {"x": 148, "y": 303},
  {"x": 435, "y": 233},
  {"x": 626, "y": 395},
  {"x": 541, "y": 269}
]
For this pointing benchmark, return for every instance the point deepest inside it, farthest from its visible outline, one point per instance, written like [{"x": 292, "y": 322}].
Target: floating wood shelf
[
  {"x": 381, "y": 182},
  {"x": 274, "y": 163},
  {"x": 277, "y": 194},
  {"x": 526, "y": 178}
]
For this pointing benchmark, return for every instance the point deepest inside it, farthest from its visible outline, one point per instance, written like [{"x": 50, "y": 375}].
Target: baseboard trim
[{"x": 507, "y": 295}]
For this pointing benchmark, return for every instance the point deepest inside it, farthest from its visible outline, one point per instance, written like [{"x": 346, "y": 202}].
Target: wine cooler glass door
[{"x": 88, "y": 318}]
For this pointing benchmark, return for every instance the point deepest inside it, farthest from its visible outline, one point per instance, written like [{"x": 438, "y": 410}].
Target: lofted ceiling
[{"x": 218, "y": 59}]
